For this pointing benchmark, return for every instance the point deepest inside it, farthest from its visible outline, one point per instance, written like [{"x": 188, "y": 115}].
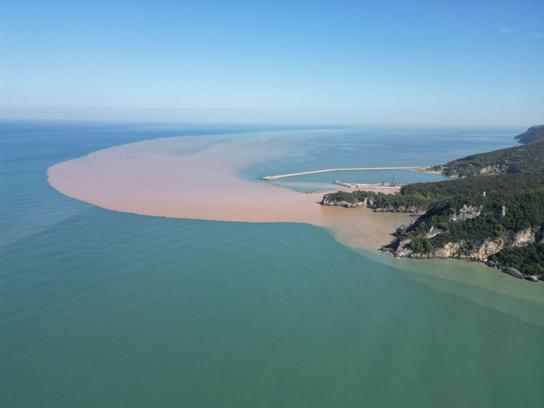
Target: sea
[{"x": 110, "y": 309}]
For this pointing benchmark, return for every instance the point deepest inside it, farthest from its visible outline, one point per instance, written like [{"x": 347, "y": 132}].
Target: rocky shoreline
[
  {"x": 454, "y": 250},
  {"x": 459, "y": 250}
]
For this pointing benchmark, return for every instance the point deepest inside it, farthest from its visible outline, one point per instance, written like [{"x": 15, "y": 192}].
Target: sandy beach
[{"x": 197, "y": 177}]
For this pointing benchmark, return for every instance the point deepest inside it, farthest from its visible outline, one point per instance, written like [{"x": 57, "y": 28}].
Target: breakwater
[{"x": 306, "y": 173}]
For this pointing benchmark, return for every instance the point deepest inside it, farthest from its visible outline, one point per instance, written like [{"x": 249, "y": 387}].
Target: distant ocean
[{"x": 106, "y": 309}]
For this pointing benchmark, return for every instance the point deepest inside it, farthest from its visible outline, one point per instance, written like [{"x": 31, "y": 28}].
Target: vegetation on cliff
[
  {"x": 528, "y": 259},
  {"x": 475, "y": 227}
]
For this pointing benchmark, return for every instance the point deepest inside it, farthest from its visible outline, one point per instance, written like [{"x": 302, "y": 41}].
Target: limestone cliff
[{"x": 465, "y": 249}]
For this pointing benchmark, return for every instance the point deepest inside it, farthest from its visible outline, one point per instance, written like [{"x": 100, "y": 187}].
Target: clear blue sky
[{"x": 388, "y": 62}]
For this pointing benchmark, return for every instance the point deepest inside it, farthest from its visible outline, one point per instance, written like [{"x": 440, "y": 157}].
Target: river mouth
[{"x": 199, "y": 178}]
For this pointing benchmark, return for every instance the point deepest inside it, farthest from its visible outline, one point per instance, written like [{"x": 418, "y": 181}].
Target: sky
[{"x": 402, "y": 62}]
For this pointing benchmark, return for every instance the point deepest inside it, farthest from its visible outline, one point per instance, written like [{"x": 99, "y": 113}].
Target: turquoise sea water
[{"x": 107, "y": 309}]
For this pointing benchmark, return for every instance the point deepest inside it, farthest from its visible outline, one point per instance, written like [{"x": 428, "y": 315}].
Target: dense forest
[{"x": 494, "y": 218}]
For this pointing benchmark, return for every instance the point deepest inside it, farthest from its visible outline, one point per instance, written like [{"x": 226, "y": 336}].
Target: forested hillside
[
  {"x": 484, "y": 216},
  {"x": 519, "y": 159},
  {"x": 533, "y": 134}
]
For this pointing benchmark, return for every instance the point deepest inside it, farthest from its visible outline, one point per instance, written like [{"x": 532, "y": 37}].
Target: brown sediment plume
[{"x": 198, "y": 178}]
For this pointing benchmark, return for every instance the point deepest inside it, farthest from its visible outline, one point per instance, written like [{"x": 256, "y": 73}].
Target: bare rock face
[
  {"x": 370, "y": 202},
  {"x": 488, "y": 248},
  {"x": 458, "y": 250},
  {"x": 495, "y": 169},
  {"x": 466, "y": 212},
  {"x": 463, "y": 249},
  {"x": 449, "y": 250},
  {"x": 403, "y": 250},
  {"x": 433, "y": 232},
  {"x": 524, "y": 237}
]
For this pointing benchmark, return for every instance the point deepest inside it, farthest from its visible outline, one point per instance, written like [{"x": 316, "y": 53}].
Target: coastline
[
  {"x": 491, "y": 250},
  {"x": 196, "y": 178}
]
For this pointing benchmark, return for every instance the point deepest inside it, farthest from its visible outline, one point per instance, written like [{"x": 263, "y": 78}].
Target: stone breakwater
[{"x": 306, "y": 173}]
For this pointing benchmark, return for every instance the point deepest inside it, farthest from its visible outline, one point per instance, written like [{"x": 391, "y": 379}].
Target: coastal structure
[
  {"x": 390, "y": 188},
  {"x": 306, "y": 173}
]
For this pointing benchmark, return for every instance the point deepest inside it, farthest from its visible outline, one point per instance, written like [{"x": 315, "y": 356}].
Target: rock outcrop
[
  {"x": 340, "y": 203},
  {"x": 466, "y": 212},
  {"x": 402, "y": 247},
  {"x": 525, "y": 237},
  {"x": 496, "y": 169},
  {"x": 514, "y": 272},
  {"x": 460, "y": 250}
]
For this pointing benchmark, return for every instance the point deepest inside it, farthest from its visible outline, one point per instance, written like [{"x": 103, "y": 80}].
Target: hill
[
  {"x": 533, "y": 134},
  {"x": 519, "y": 159}
]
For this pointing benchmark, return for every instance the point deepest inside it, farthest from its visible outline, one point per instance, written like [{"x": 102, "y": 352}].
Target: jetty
[{"x": 306, "y": 173}]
